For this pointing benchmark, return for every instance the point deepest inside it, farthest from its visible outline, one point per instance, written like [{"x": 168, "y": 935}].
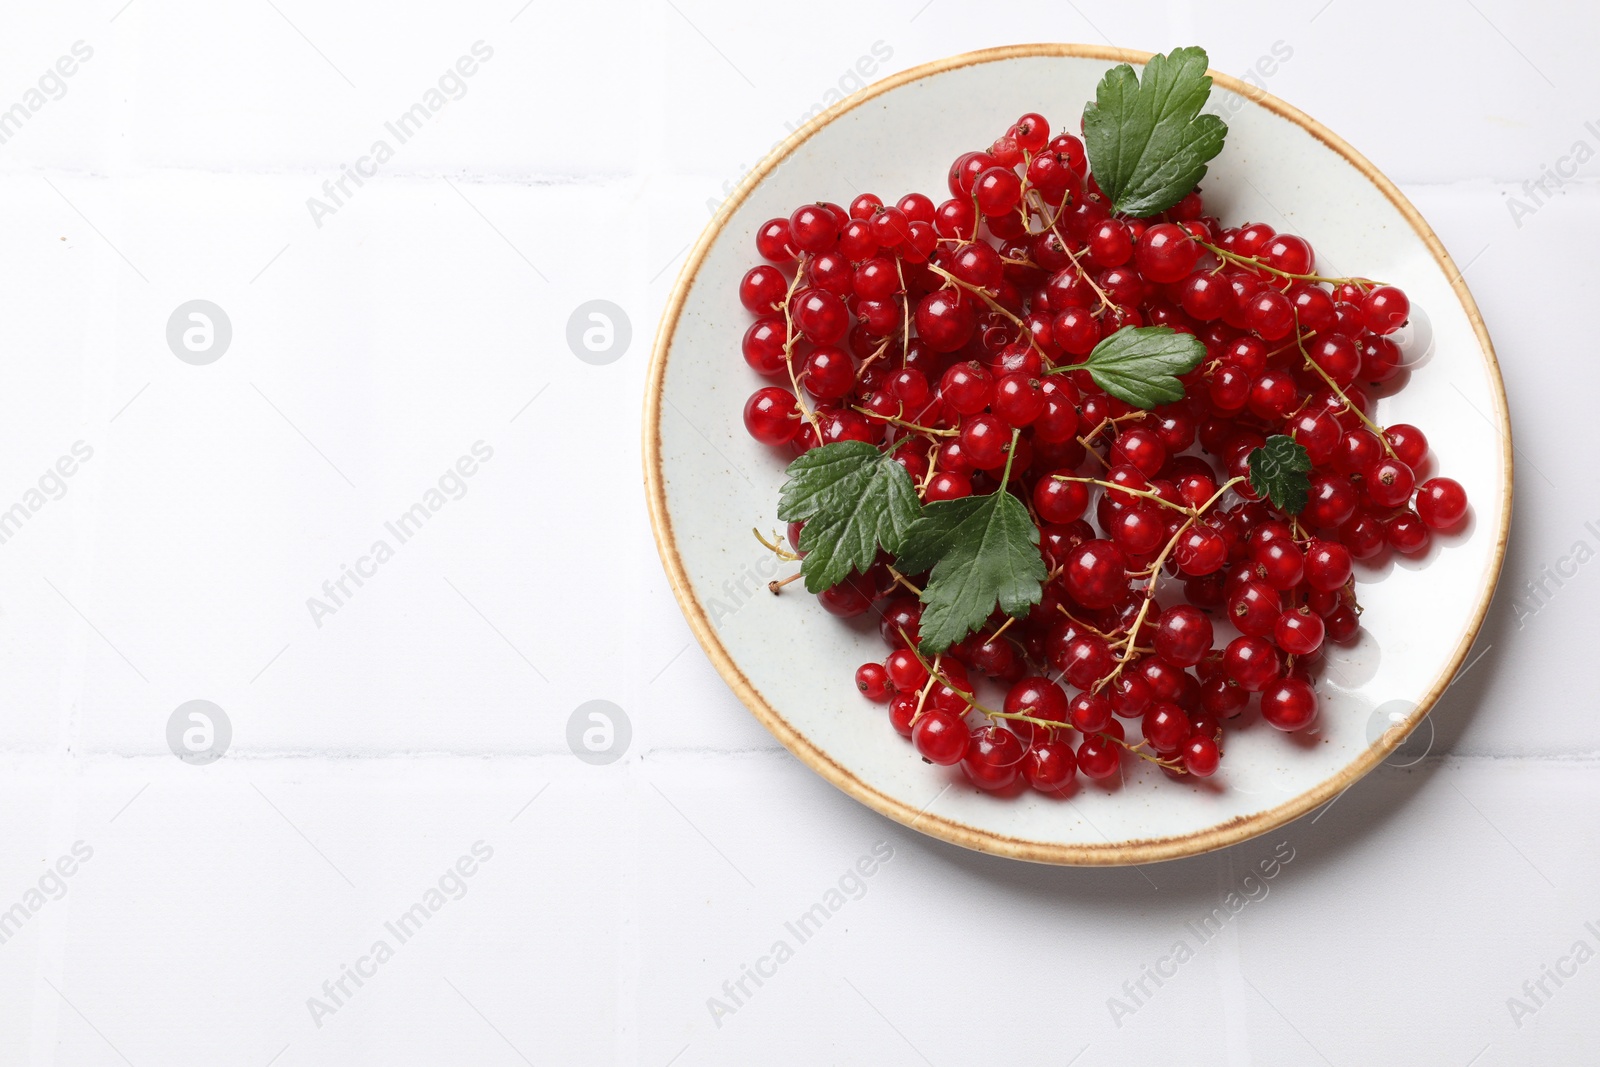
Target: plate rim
[{"x": 1232, "y": 831}]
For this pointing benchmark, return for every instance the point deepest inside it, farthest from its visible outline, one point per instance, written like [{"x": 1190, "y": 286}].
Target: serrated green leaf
[
  {"x": 1279, "y": 471},
  {"x": 1148, "y": 144},
  {"x": 853, "y": 500},
  {"x": 983, "y": 551},
  {"x": 1140, "y": 364}
]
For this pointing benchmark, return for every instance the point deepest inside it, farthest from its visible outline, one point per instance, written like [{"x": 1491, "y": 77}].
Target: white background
[{"x": 430, "y": 711}]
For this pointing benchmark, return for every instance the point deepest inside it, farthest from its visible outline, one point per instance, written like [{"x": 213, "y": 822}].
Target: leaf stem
[{"x": 1011, "y": 454}]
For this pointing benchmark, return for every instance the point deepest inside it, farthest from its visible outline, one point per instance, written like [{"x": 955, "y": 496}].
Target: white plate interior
[{"x": 718, "y": 482}]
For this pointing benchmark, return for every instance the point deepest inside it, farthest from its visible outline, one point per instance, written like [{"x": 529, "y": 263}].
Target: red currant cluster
[{"x": 942, "y": 334}]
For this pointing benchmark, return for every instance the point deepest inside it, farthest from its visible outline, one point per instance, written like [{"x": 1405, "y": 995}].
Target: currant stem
[
  {"x": 1131, "y": 492},
  {"x": 905, "y": 307},
  {"x": 1105, "y": 300},
  {"x": 788, "y": 348},
  {"x": 777, "y": 584},
  {"x": 1377, "y": 430},
  {"x": 775, "y": 546},
  {"x": 1016, "y": 716},
  {"x": 977, "y": 291},
  {"x": 1256, "y": 263},
  {"x": 902, "y": 580},
  {"x": 1155, "y": 576},
  {"x": 904, "y": 423}
]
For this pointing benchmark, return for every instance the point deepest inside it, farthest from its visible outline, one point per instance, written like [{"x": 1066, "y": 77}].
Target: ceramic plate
[{"x": 793, "y": 664}]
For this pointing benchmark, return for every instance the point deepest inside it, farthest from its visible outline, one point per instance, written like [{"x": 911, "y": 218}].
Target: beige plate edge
[{"x": 1144, "y": 851}]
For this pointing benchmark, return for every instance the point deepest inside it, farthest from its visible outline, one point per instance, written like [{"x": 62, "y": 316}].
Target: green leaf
[
  {"x": 1148, "y": 143},
  {"x": 853, "y": 499},
  {"x": 983, "y": 550},
  {"x": 1279, "y": 471},
  {"x": 1140, "y": 364}
]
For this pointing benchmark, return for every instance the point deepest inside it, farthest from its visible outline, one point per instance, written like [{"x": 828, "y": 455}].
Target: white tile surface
[{"x": 369, "y": 754}]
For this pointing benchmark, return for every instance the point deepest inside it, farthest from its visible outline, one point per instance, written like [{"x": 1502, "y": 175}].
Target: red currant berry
[
  {"x": 1389, "y": 483},
  {"x": 1165, "y": 253},
  {"x": 1085, "y": 660},
  {"x": 1139, "y": 448},
  {"x": 1130, "y": 695},
  {"x": 1166, "y": 727},
  {"x": 1017, "y": 400},
  {"x": 763, "y": 289},
  {"x": 1251, "y": 663},
  {"x": 1342, "y": 623},
  {"x": 904, "y": 670},
  {"x": 876, "y": 279},
  {"x": 1332, "y": 500},
  {"x": 984, "y": 440},
  {"x": 945, "y": 320},
  {"x": 771, "y": 416},
  {"x": 1049, "y": 766},
  {"x": 1289, "y": 704},
  {"x": 830, "y": 373},
  {"x": 1110, "y": 244},
  {"x": 856, "y": 240},
  {"x": 1299, "y": 632},
  {"x": 941, "y": 737},
  {"x": 1270, "y": 314},
  {"x": 1059, "y": 501},
  {"x": 956, "y": 219},
  {"x": 1279, "y": 563},
  {"x": 947, "y": 485},
  {"x": 1138, "y": 530},
  {"x": 1183, "y": 636},
  {"x": 902, "y": 709},
  {"x": 1409, "y": 444},
  {"x": 846, "y": 600},
  {"x": 993, "y": 759},
  {"x": 821, "y": 316},
  {"x": 1407, "y": 533},
  {"x": 1201, "y": 757},
  {"x": 1038, "y": 698},
  {"x": 1098, "y": 757},
  {"x": 873, "y": 681},
  {"x": 998, "y": 191},
  {"x": 1359, "y": 451},
  {"x": 1089, "y": 712},
  {"x": 1289, "y": 253},
  {"x": 775, "y": 242},
  {"x": 1327, "y": 565},
  {"x": 1313, "y": 307},
  {"x": 1031, "y": 131},
  {"x": 1201, "y": 551},
  {"x": 1254, "y": 608},
  {"x": 1385, "y": 309},
  {"x": 1220, "y": 695},
  {"x": 765, "y": 346},
  {"x": 1441, "y": 503},
  {"x": 814, "y": 227},
  {"x": 1095, "y": 574}
]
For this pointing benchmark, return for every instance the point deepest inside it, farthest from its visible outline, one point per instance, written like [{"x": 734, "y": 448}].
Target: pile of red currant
[{"x": 932, "y": 332}]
